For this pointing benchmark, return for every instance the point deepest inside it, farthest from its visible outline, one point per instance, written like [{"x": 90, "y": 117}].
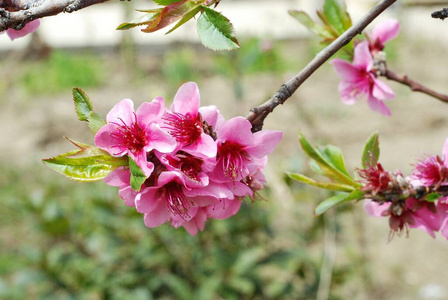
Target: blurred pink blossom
[{"x": 28, "y": 28}]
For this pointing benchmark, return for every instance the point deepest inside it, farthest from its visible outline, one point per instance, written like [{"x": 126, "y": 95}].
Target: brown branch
[
  {"x": 18, "y": 19},
  {"x": 440, "y": 14},
  {"x": 414, "y": 86},
  {"x": 258, "y": 114}
]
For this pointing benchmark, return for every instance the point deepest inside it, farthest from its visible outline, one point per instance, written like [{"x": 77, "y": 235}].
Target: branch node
[{"x": 440, "y": 14}]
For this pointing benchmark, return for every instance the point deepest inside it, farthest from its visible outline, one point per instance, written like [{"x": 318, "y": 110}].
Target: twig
[
  {"x": 18, "y": 19},
  {"x": 258, "y": 114},
  {"x": 440, "y": 14},
  {"x": 414, "y": 86}
]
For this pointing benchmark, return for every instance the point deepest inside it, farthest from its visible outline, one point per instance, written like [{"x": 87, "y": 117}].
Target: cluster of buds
[
  {"x": 195, "y": 164},
  {"x": 418, "y": 201}
]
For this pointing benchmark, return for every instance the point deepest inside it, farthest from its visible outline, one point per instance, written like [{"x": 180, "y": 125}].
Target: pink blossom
[
  {"x": 433, "y": 170},
  {"x": 196, "y": 223},
  {"x": 135, "y": 133},
  {"x": 121, "y": 179},
  {"x": 238, "y": 148},
  {"x": 383, "y": 32},
  {"x": 375, "y": 179},
  {"x": 358, "y": 79},
  {"x": 28, "y": 28},
  {"x": 184, "y": 122}
]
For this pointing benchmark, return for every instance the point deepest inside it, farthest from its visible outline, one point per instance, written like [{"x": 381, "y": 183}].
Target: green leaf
[
  {"x": 166, "y": 2},
  {"x": 338, "y": 199},
  {"x": 309, "y": 23},
  {"x": 330, "y": 161},
  {"x": 326, "y": 185},
  {"x": 433, "y": 197},
  {"x": 137, "y": 175},
  {"x": 215, "y": 31},
  {"x": 336, "y": 13},
  {"x": 84, "y": 169},
  {"x": 169, "y": 15},
  {"x": 83, "y": 105},
  {"x": 371, "y": 152},
  {"x": 334, "y": 156},
  {"x": 142, "y": 20},
  {"x": 186, "y": 17},
  {"x": 178, "y": 286},
  {"x": 85, "y": 150},
  {"x": 95, "y": 122}
]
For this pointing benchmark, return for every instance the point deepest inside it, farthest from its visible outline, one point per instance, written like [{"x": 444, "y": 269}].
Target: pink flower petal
[
  {"x": 123, "y": 111},
  {"x": 148, "y": 200},
  {"x": 362, "y": 58},
  {"x": 382, "y": 91},
  {"x": 236, "y": 130},
  {"x": 187, "y": 99},
  {"x": 205, "y": 147},
  {"x": 105, "y": 141},
  {"x": 160, "y": 140},
  {"x": 374, "y": 209},
  {"x": 385, "y": 31},
  {"x": 265, "y": 143},
  {"x": 149, "y": 112},
  {"x": 28, "y": 28},
  {"x": 378, "y": 106},
  {"x": 346, "y": 70},
  {"x": 225, "y": 209},
  {"x": 158, "y": 216}
]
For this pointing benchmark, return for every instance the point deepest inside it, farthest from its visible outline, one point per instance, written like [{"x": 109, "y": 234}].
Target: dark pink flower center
[
  {"x": 375, "y": 178},
  {"x": 233, "y": 159},
  {"x": 431, "y": 171},
  {"x": 131, "y": 137},
  {"x": 189, "y": 165},
  {"x": 186, "y": 129},
  {"x": 176, "y": 200}
]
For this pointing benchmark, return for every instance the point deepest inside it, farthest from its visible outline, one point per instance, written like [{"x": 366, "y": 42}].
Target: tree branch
[
  {"x": 258, "y": 114},
  {"x": 414, "y": 86},
  {"x": 18, "y": 19},
  {"x": 440, "y": 14}
]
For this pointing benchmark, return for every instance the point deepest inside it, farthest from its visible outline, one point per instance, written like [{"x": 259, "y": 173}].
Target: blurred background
[{"x": 65, "y": 240}]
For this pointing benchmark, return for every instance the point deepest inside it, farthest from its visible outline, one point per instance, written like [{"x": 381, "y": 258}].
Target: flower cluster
[
  {"x": 419, "y": 201},
  {"x": 196, "y": 164},
  {"x": 28, "y": 28},
  {"x": 359, "y": 78}
]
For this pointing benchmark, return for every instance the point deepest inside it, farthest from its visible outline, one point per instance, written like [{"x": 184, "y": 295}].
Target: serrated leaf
[
  {"x": 329, "y": 161},
  {"x": 215, "y": 31},
  {"x": 336, "y": 13},
  {"x": 433, "y": 197},
  {"x": 338, "y": 199},
  {"x": 371, "y": 152},
  {"x": 137, "y": 175},
  {"x": 169, "y": 15},
  {"x": 309, "y": 23},
  {"x": 142, "y": 20},
  {"x": 95, "y": 122},
  {"x": 84, "y": 169},
  {"x": 83, "y": 105},
  {"x": 84, "y": 150},
  {"x": 326, "y": 185},
  {"x": 189, "y": 15}
]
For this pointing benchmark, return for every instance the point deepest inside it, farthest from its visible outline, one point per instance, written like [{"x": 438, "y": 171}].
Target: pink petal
[
  {"x": 265, "y": 143},
  {"x": 385, "y": 31},
  {"x": 225, "y": 209},
  {"x": 148, "y": 200},
  {"x": 120, "y": 177},
  {"x": 362, "y": 58},
  {"x": 123, "y": 111},
  {"x": 187, "y": 99},
  {"x": 211, "y": 115},
  {"x": 382, "y": 91},
  {"x": 160, "y": 140},
  {"x": 236, "y": 130},
  {"x": 128, "y": 195},
  {"x": 346, "y": 70},
  {"x": 149, "y": 112},
  {"x": 105, "y": 141},
  {"x": 28, "y": 28},
  {"x": 158, "y": 216},
  {"x": 348, "y": 92},
  {"x": 141, "y": 161},
  {"x": 378, "y": 106},
  {"x": 205, "y": 147},
  {"x": 374, "y": 209}
]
